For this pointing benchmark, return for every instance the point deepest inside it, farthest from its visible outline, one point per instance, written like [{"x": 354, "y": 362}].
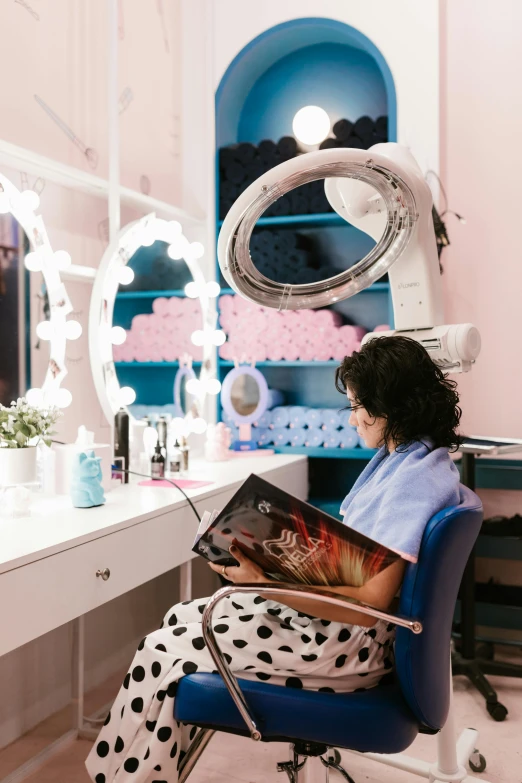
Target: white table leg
[{"x": 185, "y": 581}]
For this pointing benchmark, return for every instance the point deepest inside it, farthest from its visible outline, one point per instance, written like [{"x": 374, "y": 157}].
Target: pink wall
[{"x": 481, "y": 128}]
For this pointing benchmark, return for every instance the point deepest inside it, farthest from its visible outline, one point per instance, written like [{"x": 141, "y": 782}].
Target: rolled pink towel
[
  {"x": 170, "y": 352},
  {"x": 156, "y": 353},
  {"x": 142, "y": 354},
  {"x": 275, "y": 353},
  {"x": 351, "y": 332},
  {"x": 326, "y": 318},
  {"x": 160, "y": 306},
  {"x": 127, "y": 353},
  {"x": 139, "y": 322},
  {"x": 307, "y": 353},
  {"x": 383, "y": 328}
]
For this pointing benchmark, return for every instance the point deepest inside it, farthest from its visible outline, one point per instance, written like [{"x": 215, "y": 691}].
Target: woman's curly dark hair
[{"x": 395, "y": 378}]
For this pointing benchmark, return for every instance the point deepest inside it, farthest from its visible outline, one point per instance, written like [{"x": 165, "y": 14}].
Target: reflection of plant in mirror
[{"x": 23, "y": 425}]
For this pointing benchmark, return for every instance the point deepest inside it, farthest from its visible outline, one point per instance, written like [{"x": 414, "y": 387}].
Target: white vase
[{"x": 17, "y": 466}]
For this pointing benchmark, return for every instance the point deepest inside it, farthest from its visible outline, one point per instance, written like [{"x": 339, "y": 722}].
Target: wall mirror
[
  {"x": 24, "y": 245},
  {"x": 178, "y": 329}
]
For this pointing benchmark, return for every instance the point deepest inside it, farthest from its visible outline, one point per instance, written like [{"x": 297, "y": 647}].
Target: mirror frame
[
  {"x": 141, "y": 233},
  {"x": 59, "y": 303}
]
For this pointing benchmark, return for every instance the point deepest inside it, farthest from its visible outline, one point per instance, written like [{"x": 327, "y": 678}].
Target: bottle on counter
[
  {"x": 175, "y": 460},
  {"x": 184, "y": 448},
  {"x": 161, "y": 426},
  {"x": 121, "y": 440},
  {"x": 157, "y": 463}
]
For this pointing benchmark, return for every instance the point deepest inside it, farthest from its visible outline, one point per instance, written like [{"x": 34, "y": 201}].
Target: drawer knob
[{"x": 105, "y": 574}]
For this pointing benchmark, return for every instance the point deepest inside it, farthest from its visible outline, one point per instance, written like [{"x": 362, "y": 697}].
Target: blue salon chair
[{"x": 382, "y": 720}]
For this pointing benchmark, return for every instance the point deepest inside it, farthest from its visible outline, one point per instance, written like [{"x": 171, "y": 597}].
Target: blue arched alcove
[{"x": 305, "y": 61}]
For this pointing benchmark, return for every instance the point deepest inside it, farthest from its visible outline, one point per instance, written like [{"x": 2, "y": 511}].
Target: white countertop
[{"x": 54, "y": 525}]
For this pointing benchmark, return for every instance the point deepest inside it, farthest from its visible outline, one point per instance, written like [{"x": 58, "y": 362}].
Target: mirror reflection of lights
[
  {"x": 311, "y": 125},
  {"x": 112, "y": 272},
  {"x": 22, "y": 206}
]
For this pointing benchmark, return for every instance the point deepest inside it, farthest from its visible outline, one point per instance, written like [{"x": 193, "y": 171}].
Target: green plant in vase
[{"x": 22, "y": 428}]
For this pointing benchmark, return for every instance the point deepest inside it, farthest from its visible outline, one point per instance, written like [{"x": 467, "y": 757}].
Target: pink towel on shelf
[
  {"x": 383, "y": 328},
  {"x": 170, "y": 352},
  {"x": 142, "y": 354},
  {"x": 160, "y": 306}
]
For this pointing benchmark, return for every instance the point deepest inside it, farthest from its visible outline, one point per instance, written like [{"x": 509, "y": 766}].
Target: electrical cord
[{"x": 116, "y": 469}]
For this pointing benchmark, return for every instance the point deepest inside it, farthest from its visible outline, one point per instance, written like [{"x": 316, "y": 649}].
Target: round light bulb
[
  {"x": 35, "y": 397},
  {"x": 179, "y": 426},
  {"x": 118, "y": 335},
  {"x": 198, "y": 337},
  {"x": 192, "y": 290},
  {"x": 150, "y": 438},
  {"x": 213, "y": 289},
  {"x": 73, "y": 330},
  {"x": 174, "y": 228},
  {"x": 63, "y": 398},
  {"x": 198, "y": 425},
  {"x": 213, "y": 386},
  {"x": 30, "y": 199},
  {"x": 33, "y": 262},
  {"x": 196, "y": 250},
  {"x": 62, "y": 259},
  {"x": 5, "y": 206},
  {"x": 127, "y": 395},
  {"x": 44, "y": 330},
  {"x": 311, "y": 125},
  {"x": 193, "y": 386},
  {"x": 125, "y": 275},
  {"x": 219, "y": 337}
]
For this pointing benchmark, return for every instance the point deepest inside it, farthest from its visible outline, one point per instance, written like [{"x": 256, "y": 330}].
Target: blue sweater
[{"x": 398, "y": 493}]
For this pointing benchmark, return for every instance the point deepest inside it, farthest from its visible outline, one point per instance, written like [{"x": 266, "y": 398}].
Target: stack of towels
[
  {"x": 259, "y": 334},
  {"x": 296, "y": 425},
  {"x": 164, "y": 334}
]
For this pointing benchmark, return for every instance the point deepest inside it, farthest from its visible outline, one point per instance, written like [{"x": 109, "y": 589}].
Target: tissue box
[{"x": 65, "y": 458}]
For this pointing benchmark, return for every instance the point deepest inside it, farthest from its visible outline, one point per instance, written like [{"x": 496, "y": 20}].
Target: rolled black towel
[
  {"x": 245, "y": 152},
  {"x": 235, "y": 172},
  {"x": 354, "y": 142},
  {"x": 226, "y": 156},
  {"x": 299, "y": 258},
  {"x": 286, "y": 205},
  {"x": 266, "y": 240},
  {"x": 367, "y": 140},
  {"x": 284, "y": 240},
  {"x": 227, "y": 190},
  {"x": 381, "y": 125},
  {"x": 379, "y": 138},
  {"x": 364, "y": 126},
  {"x": 287, "y": 147},
  {"x": 267, "y": 151},
  {"x": 329, "y": 144},
  {"x": 254, "y": 169},
  {"x": 298, "y": 202},
  {"x": 342, "y": 129}
]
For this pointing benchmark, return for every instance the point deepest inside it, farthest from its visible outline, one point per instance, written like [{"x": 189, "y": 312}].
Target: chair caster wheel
[
  {"x": 497, "y": 711},
  {"x": 477, "y": 762}
]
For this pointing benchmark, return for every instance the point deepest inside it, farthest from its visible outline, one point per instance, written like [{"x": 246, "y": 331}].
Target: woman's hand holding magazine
[{"x": 264, "y": 534}]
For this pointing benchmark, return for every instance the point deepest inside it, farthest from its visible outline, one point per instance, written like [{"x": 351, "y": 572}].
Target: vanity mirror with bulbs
[{"x": 25, "y": 249}]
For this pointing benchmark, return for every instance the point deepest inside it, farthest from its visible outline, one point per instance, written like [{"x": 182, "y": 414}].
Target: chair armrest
[{"x": 280, "y": 590}]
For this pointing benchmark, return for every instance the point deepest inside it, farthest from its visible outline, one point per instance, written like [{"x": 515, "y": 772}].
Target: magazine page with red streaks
[{"x": 290, "y": 540}]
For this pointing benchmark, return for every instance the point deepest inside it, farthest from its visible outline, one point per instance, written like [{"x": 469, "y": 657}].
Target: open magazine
[{"x": 289, "y": 539}]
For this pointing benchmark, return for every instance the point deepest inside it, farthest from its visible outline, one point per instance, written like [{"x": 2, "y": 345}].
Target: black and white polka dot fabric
[{"x": 262, "y": 640}]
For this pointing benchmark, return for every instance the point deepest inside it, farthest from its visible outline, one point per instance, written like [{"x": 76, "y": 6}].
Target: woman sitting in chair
[{"x": 402, "y": 404}]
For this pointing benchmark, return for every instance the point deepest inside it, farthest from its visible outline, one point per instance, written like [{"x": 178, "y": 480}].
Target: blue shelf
[
  {"x": 323, "y": 219},
  {"x": 321, "y": 451},
  {"x": 149, "y": 294},
  {"x": 146, "y": 365}
]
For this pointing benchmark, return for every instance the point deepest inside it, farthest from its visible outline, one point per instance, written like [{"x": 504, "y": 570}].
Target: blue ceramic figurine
[{"x": 86, "y": 481}]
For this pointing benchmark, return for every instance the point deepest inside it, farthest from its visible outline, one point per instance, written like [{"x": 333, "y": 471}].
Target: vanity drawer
[{"x": 49, "y": 592}]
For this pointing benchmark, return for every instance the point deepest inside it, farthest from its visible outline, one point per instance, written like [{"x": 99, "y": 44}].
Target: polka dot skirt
[{"x": 262, "y": 640}]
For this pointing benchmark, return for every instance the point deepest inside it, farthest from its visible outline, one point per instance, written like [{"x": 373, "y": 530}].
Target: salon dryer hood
[{"x": 382, "y": 192}]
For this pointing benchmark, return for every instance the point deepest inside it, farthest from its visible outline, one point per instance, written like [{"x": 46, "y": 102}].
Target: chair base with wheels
[{"x": 379, "y": 723}]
